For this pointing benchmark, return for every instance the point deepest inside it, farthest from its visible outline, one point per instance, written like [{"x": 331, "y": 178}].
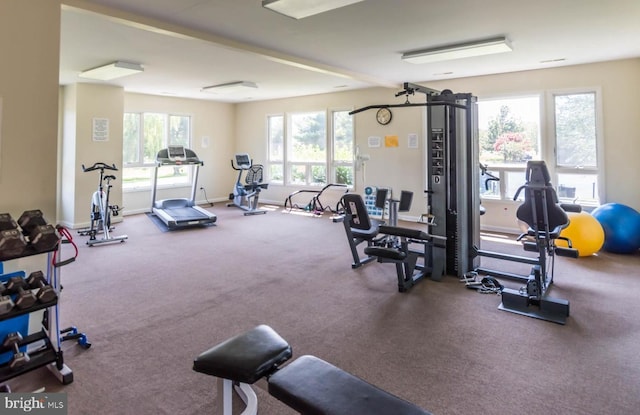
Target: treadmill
[{"x": 178, "y": 213}]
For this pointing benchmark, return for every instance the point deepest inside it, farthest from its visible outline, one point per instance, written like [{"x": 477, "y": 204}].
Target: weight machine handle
[{"x": 99, "y": 166}]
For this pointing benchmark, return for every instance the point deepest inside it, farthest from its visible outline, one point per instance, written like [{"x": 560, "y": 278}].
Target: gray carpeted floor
[{"x": 151, "y": 304}]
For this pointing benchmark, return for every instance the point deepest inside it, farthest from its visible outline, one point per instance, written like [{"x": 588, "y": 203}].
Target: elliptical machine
[
  {"x": 245, "y": 196},
  {"x": 101, "y": 210}
]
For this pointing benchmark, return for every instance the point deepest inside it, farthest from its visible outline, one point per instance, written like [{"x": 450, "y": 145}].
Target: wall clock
[{"x": 383, "y": 116}]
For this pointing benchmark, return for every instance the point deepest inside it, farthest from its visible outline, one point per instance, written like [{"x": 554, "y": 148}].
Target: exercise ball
[
  {"x": 621, "y": 226},
  {"x": 584, "y": 232}
]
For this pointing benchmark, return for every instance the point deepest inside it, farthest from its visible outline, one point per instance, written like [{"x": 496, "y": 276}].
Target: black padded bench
[{"x": 308, "y": 385}]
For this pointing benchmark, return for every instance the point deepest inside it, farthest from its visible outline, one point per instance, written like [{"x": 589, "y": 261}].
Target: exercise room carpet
[{"x": 153, "y": 303}]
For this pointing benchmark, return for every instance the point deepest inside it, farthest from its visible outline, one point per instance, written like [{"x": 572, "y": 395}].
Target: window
[
  {"x": 343, "y": 148},
  {"x": 275, "y": 127},
  {"x": 576, "y": 147},
  {"x": 304, "y": 154},
  {"x": 144, "y": 135},
  {"x": 510, "y": 134}
]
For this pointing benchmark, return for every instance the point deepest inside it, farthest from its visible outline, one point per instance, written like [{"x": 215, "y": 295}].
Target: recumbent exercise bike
[{"x": 245, "y": 196}]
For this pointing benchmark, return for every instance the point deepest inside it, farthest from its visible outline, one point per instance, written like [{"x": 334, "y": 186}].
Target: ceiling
[{"x": 185, "y": 45}]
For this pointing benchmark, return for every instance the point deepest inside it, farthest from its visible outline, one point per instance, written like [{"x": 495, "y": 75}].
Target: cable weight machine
[
  {"x": 452, "y": 196},
  {"x": 454, "y": 205}
]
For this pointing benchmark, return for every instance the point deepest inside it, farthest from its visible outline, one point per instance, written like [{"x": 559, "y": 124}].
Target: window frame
[
  {"x": 502, "y": 171},
  {"x": 548, "y": 144},
  {"x": 556, "y": 169},
  {"x": 329, "y": 163},
  {"x": 144, "y": 185}
]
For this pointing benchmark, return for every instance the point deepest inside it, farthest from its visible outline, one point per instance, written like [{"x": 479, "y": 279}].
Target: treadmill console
[
  {"x": 243, "y": 161},
  {"x": 176, "y": 153}
]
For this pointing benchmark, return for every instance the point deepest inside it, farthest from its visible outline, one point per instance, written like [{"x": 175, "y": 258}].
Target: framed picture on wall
[{"x": 100, "y": 130}]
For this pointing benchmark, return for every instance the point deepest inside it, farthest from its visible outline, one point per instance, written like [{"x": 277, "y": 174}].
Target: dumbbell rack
[{"x": 50, "y": 354}]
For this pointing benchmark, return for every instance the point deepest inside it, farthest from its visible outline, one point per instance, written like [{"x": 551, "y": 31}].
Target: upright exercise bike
[
  {"x": 245, "y": 196},
  {"x": 101, "y": 210}
]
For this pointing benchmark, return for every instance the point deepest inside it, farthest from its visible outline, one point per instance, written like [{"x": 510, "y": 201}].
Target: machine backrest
[
  {"x": 382, "y": 194},
  {"x": 356, "y": 211},
  {"x": 540, "y": 209},
  {"x": 254, "y": 174},
  {"x": 406, "y": 197}
]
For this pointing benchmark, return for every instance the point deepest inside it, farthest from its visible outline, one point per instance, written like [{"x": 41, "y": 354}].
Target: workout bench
[{"x": 308, "y": 385}]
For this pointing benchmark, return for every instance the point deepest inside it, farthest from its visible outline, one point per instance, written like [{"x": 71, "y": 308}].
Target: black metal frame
[
  {"x": 359, "y": 227},
  {"x": 533, "y": 299}
]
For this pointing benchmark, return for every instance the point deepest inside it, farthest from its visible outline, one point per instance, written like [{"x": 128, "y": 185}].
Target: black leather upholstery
[
  {"x": 384, "y": 252},
  {"x": 245, "y": 358},
  {"x": 312, "y": 386},
  {"x": 540, "y": 209},
  {"x": 358, "y": 217},
  {"x": 404, "y": 232}
]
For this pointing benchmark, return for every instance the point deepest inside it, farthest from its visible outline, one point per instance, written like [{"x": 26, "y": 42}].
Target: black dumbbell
[
  {"x": 46, "y": 293},
  {"x": 42, "y": 236},
  {"x": 30, "y": 219},
  {"x": 12, "y": 243},
  {"x": 19, "y": 358},
  {"x": 24, "y": 297},
  {"x": 6, "y": 305},
  {"x": 7, "y": 223}
]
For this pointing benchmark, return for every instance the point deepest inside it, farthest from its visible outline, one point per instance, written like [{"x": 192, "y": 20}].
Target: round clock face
[{"x": 383, "y": 116}]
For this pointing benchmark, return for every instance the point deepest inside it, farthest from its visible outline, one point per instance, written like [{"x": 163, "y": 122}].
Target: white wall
[
  {"x": 82, "y": 104},
  {"x": 402, "y": 168},
  {"x": 619, "y": 82},
  {"x": 212, "y": 122},
  {"x": 242, "y": 128},
  {"x": 30, "y": 45},
  {"x": 399, "y": 167}
]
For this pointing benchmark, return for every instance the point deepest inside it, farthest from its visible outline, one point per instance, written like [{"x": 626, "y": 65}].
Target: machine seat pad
[
  {"x": 404, "y": 232},
  {"x": 246, "y": 357},
  {"x": 366, "y": 234},
  {"x": 312, "y": 386},
  {"x": 388, "y": 253}
]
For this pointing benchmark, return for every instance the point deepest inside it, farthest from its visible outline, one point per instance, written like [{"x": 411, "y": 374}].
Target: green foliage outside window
[
  {"x": 576, "y": 130},
  {"x": 507, "y": 139}
]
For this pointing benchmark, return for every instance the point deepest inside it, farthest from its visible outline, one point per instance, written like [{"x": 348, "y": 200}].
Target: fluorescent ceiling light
[
  {"x": 230, "y": 88},
  {"x": 299, "y": 9},
  {"x": 461, "y": 50},
  {"x": 112, "y": 71}
]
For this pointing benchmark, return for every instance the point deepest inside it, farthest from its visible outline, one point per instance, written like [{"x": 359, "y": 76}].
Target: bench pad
[
  {"x": 312, "y": 386},
  {"x": 383, "y": 252},
  {"x": 245, "y": 358},
  {"x": 404, "y": 232}
]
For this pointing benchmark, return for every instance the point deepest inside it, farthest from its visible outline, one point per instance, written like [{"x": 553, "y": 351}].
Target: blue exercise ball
[{"x": 621, "y": 225}]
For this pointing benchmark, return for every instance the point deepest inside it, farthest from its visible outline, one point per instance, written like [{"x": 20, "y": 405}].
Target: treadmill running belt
[{"x": 185, "y": 213}]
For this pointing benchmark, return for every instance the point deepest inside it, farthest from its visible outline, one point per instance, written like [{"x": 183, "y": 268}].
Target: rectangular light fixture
[
  {"x": 230, "y": 87},
  {"x": 112, "y": 71},
  {"x": 461, "y": 50},
  {"x": 299, "y": 9}
]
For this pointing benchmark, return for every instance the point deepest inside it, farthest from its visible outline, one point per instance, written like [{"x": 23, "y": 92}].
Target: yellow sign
[{"x": 391, "y": 141}]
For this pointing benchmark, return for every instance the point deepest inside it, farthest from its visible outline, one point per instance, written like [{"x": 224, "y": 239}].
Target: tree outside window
[{"x": 145, "y": 134}]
